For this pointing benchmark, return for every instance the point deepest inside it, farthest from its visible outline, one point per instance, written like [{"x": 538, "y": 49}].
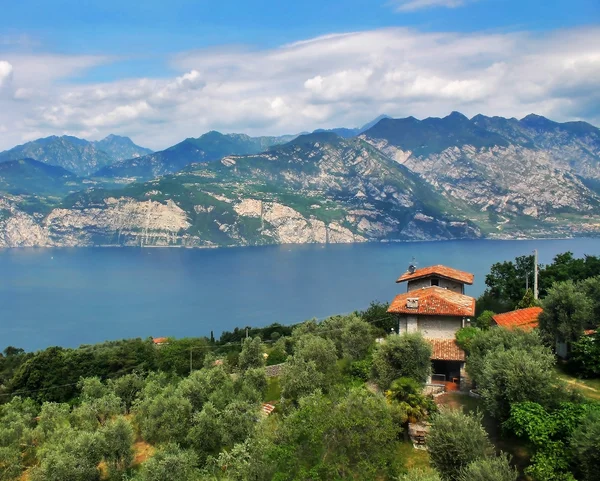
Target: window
[{"x": 435, "y": 282}]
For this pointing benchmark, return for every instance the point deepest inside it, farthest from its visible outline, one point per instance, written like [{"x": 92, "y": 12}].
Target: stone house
[{"x": 435, "y": 305}]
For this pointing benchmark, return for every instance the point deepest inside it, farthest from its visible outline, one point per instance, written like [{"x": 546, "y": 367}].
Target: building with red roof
[
  {"x": 435, "y": 305},
  {"x": 525, "y": 319}
]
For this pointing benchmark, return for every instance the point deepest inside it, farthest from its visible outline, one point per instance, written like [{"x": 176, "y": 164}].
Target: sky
[{"x": 161, "y": 71}]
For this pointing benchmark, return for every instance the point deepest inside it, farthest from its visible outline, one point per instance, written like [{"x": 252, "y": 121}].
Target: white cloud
[
  {"x": 6, "y": 70},
  {"x": 330, "y": 81},
  {"x": 412, "y": 5}
]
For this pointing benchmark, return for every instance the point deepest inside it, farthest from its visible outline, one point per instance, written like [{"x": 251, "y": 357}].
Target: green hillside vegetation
[
  {"x": 28, "y": 176},
  {"x": 433, "y": 135},
  {"x": 206, "y": 148}
]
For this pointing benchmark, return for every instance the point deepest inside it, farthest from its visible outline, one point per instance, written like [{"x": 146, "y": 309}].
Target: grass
[
  {"x": 414, "y": 458},
  {"x": 588, "y": 388}
]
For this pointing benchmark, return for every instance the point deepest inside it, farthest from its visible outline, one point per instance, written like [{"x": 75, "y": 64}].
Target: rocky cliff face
[
  {"x": 403, "y": 179},
  {"x": 76, "y": 155}
]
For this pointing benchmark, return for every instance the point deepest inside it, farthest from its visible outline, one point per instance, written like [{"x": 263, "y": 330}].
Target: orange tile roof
[
  {"x": 434, "y": 301},
  {"x": 440, "y": 271},
  {"x": 445, "y": 350},
  {"x": 526, "y": 319},
  {"x": 589, "y": 332},
  {"x": 160, "y": 340}
]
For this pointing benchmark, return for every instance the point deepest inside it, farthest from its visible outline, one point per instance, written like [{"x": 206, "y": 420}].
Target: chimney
[{"x": 412, "y": 302}]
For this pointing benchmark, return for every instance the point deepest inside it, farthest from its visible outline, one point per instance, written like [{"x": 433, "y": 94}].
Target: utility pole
[{"x": 535, "y": 274}]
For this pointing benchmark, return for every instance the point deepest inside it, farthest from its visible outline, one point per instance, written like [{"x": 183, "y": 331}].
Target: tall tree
[
  {"x": 567, "y": 312},
  {"x": 405, "y": 355}
]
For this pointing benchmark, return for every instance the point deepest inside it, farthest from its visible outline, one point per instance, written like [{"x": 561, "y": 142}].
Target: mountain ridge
[{"x": 401, "y": 179}]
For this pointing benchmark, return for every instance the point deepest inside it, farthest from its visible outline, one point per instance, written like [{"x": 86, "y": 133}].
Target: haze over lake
[{"x": 69, "y": 297}]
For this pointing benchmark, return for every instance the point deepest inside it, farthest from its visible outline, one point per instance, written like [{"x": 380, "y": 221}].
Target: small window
[{"x": 435, "y": 282}]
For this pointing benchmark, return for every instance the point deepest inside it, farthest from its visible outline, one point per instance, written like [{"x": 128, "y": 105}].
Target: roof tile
[
  {"x": 445, "y": 350},
  {"x": 434, "y": 301},
  {"x": 526, "y": 319},
  {"x": 439, "y": 270}
]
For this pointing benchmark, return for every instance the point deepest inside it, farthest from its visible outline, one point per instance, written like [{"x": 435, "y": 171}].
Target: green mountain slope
[
  {"x": 206, "y": 148},
  {"x": 317, "y": 188},
  {"x": 28, "y": 176}
]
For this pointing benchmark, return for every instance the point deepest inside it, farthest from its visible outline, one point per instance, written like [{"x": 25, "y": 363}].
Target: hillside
[
  {"x": 510, "y": 174},
  {"x": 206, "y": 148},
  {"x": 401, "y": 179},
  {"x": 317, "y": 188},
  {"x": 28, "y": 176},
  {"x": 77, "y": 155}
]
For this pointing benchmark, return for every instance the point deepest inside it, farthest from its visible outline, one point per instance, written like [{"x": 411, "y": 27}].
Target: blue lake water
[{"x": 69, "y": 297}]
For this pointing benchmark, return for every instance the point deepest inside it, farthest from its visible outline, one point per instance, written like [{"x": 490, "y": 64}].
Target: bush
[
  {"x": 489, "y": 469},
  {"x": 585, "y": 443},
  {"x": 455, "y": 441}
]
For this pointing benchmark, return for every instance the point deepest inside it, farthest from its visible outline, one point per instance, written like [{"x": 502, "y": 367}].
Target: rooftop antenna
[{"x": 412, "y": 267}]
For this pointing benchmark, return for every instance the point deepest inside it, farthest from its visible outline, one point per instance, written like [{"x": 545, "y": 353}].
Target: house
[
  {"x": 159, "y": 341},
  {"x": 525, "y": 319},
  {"x": 435, "y": 305}
]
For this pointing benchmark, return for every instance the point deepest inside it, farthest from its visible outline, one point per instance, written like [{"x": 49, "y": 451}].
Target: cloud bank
[{"x": 334, "y": 80}]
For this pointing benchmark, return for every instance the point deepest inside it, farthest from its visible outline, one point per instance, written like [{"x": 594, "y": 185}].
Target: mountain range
[
  {"x": 392, "y": 180},
  {"x": 82, "y": 157}
]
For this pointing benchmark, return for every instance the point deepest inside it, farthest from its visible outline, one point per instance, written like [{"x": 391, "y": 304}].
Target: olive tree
[
  {"x": 489, "y": 469},
  {"x": 405, "y": 355},
  {"x": 455, "y": 440}
]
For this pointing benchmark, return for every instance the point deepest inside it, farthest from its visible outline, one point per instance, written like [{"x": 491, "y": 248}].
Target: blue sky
[{"x": 55, "y": 56}]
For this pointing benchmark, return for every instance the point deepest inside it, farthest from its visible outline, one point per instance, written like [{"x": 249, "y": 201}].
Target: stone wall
[
  {"x": 439, "y": 327},
  {"x": 445, "y": 283}
]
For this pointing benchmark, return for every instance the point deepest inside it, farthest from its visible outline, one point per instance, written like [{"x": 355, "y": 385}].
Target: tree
[
  {"x": 252, "y": 354},
  {"x": 378, "y": 316},
  {"x": 585, "y": 443},
  {"x": 206, "y": 435},
  {"x": 489, "y": 469},
  {"x": 412, "y": 406},
  {"x": 118, "y": 445},
  {"x": 516, "y": 375},
  {"x": 549, "y": 432},
  {"x": 486, "y": 342},
  {"x": 127, "y": 388},
  {"x": 406, "y": 355},
  {"x": 464, "y": 337},
  {"x": 585, "y": 356},
  {"x": 567, "y": 312},
  {"x": 170, "y": 463},
  {"x": 164, "y": 417},
  {"x": 357, "y": 338},
  {"x": 507, "y": 280},
  {"x": 313, "y": 366},
  {"x": 485, "y": 321},
  {"x": 175, "y": 355},
  {"x": 591, "y": 287},
  {"x": 527, "y": 301},
  {"x": 74, "y": 456},
  {"x": 353, "y": 437},
  {"x": 455, "y": 440}
]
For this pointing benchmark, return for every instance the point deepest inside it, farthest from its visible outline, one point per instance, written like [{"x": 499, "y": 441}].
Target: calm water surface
[{"x": 69, "y": 297}]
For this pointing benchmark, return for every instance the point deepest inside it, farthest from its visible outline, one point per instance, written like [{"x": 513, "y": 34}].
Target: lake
[{"x": 69, "y": 297}]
